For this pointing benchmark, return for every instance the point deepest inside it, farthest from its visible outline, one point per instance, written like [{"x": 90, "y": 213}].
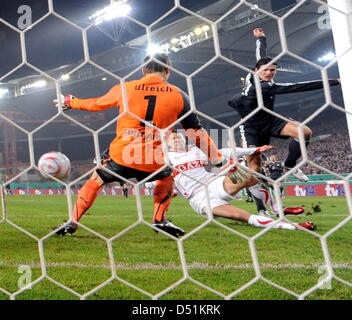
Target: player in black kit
[
  {"x": 262, "y": 125},
  {"x": 274, "y": 168}
]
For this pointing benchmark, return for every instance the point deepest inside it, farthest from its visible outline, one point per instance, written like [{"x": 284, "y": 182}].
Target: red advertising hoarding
[{"x": 324, "y": 190}]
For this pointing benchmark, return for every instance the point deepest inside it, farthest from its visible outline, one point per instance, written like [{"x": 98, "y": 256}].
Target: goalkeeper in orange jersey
[{"x": 136, "y": 151}]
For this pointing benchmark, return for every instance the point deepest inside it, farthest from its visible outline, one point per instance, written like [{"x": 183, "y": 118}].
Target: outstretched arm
[
  {"x": 261, "y": 46},
  {"x": 110, "y": 99},
  {"x": 240, "y": 152},
  {"x": 282, "y": 88}
]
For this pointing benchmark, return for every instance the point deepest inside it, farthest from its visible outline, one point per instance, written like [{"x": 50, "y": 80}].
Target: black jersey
[{"x": 246, "y": 102}]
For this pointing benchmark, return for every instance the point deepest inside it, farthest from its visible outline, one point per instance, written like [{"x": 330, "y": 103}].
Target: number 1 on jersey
[{"x": 150, "y": 109}]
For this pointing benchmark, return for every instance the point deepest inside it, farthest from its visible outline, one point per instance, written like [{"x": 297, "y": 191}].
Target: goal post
[
  {"x": 342, "y": 33},
  {"x": 341, "y": 23}
]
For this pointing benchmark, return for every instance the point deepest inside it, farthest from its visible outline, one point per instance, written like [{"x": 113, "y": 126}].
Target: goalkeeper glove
[{"x": 66, "y": 101}]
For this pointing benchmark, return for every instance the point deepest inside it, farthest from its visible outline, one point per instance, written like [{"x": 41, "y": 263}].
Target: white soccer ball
[{"x": 55, "y": 164}]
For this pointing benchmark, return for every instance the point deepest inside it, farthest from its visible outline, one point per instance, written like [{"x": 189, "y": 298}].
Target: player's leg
[
  {"x": 89, "y": 191},
  {"x": 163, "y": 194},
  {"x": 263, "y": 195},
  {"x": 125, "y": 190},
  {"x": 87, "y": 195},
  {"x": 261, "y": 208},
  {"x": 251, "y": 137},
  {"x": 254, "y": 163},
  {"x": 231, "y": 212},
  {"x": 255, "y": 137},
  {"x": 221, "y": 191},
  {"x": 249, "y": 195},
  {"x": 294, "y": 149},
  {"x": 85, "y": 199}
]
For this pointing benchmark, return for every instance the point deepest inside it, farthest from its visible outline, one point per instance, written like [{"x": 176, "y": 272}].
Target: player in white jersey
[
  {"x": 259, "y": 191},
  {"x": 191, "y": 179}
]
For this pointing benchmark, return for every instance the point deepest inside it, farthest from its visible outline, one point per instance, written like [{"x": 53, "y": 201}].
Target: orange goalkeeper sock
[
  {"x": 163, "y": 192},
  {"x": 86, "y": 197}
]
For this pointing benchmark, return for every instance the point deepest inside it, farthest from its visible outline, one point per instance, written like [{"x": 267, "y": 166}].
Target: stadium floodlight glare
[
  {"x": 182, "y": 41},
  {"x": 327, "y": 57},
  {"x": 65, "y": 77},
  {"x": 198, "y": 31},
  {"x": 37, "y": 84},
  {"x": 155, "y": 48},
  {"x": 116, "y": 10},
  {"x": 174, "y": 40},
  {"x": 3, "y": 92}
]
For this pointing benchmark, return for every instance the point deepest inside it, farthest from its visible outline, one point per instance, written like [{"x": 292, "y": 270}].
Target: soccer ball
[{"x": 55, "y": 164}]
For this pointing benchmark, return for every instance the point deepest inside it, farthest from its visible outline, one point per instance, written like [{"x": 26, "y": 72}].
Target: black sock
[
  {"x": 249, "y": 193},
  {"x": 294, "y": 153},
  {"x": 259, "y": 203}
]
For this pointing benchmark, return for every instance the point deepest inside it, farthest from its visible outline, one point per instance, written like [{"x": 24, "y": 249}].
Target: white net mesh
[{"x": 219, "y": 57}]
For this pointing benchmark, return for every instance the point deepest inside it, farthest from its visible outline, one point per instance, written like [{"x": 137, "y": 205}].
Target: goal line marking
[{"x": 150, "y": 266}]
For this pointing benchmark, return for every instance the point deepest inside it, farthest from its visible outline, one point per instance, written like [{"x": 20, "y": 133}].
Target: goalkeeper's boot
[
  {"x": 308, "y": 225},
  {"x": 169, "y": 227},
  {"x": 293, "y": 210},
  {"x": 68, "y": 229}
]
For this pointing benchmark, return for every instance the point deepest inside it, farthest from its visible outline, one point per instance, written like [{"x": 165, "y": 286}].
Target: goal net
[{"x": 56, "y": 48}]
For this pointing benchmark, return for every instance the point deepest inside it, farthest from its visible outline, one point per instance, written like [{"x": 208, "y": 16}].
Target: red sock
[
  {"x": 86, "y": 197},
  {"x": 163, "y": 192}
]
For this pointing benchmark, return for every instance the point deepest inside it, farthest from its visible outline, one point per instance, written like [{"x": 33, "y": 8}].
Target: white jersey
[{"x": 192, "y": 162}]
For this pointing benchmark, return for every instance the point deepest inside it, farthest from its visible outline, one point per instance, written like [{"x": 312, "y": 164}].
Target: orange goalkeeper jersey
[{"x": 150, "y": 99}]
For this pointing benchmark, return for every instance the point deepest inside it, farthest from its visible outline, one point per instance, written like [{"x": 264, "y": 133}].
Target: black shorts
[
  {"x": 276, "y": 175},
  {"x": 126, "y": 172},
  {"x": 259, "y": 134}
]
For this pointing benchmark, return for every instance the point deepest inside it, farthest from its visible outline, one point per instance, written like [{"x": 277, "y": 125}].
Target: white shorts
[{"x": 217, "y": 197}]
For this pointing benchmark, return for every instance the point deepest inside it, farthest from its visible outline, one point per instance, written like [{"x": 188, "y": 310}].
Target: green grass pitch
[{"x": 215, "y": 257}]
